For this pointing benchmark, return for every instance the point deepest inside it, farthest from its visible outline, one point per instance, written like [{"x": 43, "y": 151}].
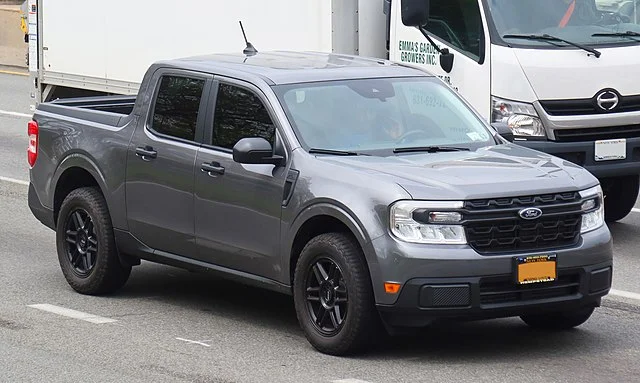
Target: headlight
[
  {"x": 434, "y": 225},
  {"x": 521, "y": 118},
  {"x": 593, "y": 208}
]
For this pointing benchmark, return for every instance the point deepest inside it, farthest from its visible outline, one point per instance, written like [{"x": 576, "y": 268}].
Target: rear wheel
[
  {"x": 621, "y": 194},
  {"x": 333, "y": 295},
  {"x": 559, "y": 320},
  {"x": 86, "y": 245}
]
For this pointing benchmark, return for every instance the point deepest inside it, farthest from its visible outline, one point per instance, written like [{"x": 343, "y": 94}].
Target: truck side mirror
[
  {"x": 255, "y": 150},
  {"x": 503, "y": 130},
  {"x": 415, "y": 13}
]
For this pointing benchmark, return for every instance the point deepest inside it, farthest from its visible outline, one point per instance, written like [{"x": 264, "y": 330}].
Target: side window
[
  {"x": 459, "y": 23},
  {"x": 240, "y": 114},
  {"x": 176, "y": 107}
]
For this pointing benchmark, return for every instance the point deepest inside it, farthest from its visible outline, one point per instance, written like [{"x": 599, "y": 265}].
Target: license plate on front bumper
[
  {"x": 536, "y": 269},
  {"x": 607, "y": 150}
]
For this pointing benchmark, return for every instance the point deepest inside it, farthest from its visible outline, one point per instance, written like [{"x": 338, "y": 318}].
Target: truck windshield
[
  {"x": 586, "y": 22},
  {"x": 381, "y": 114}
]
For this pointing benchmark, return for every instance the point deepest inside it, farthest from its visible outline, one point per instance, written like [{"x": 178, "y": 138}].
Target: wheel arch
[
  {"x": 74, "y": 172},
  {"x": 324, "y": 218}
]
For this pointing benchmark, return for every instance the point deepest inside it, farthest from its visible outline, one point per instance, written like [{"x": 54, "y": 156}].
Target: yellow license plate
[{"x": 536, "y": 269}]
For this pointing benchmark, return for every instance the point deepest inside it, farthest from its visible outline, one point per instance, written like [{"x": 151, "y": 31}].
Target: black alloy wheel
[
  {"x": 81, "y": 243},
  {"x": 327, "y": 296}
]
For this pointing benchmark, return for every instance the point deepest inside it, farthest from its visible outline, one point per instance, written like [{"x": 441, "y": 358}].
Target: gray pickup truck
[{"x": 369, "y": 191}]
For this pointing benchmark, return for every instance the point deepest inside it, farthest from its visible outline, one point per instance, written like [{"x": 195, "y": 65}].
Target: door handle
[
  {"x": 146, "y": 152},
  {"x": 213, "y": 167}
]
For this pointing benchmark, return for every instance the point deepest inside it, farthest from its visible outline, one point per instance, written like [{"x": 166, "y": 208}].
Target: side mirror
[
  {"x": 415, "y": 13},
  {"x": 255, "y": 150},
  {"x": 503, "y": 130},
  {"x": 446, "y": 60}
]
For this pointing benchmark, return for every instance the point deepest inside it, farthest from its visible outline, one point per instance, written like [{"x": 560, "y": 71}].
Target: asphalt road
[{"x": 169, "y": 325}]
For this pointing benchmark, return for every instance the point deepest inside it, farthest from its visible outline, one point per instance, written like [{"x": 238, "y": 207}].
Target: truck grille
[
  {"x": 587, "y": 106},
  {"x": 593, "y": 134},
  {"x": 498, "y": 290},
  {"x": 493, "y": 226}
]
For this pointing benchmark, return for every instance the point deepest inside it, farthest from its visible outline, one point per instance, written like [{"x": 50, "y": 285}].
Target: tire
[
  {"x": 560, "y": 320},
  {"x": 620, "y": 197},
  {"x": 90, "y": 265},
  {"x": 357, "y": 319}
]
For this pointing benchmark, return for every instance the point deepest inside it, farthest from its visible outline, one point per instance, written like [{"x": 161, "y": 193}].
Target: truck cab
[{"x": 560, "y": 76}]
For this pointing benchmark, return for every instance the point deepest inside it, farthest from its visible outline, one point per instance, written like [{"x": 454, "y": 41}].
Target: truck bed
[{"x": 107, "y": 110}]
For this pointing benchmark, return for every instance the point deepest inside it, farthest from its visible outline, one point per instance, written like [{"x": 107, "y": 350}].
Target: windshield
[
  {"x": 572, "y": 20},
  {"x": 381, "y": 114}
]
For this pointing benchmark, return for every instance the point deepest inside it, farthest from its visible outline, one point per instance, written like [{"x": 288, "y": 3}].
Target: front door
[
  {"x": 160, "y": 165},
  {"x": 238, "y": 207},
  {"x": 458, "y": 25}
]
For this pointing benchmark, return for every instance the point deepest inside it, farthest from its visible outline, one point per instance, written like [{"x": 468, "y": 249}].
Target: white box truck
[{"x": 560, "y": 76}]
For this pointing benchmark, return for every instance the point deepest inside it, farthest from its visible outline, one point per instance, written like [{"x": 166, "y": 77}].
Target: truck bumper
[
  {"x": 457, "y": 282},
  {"x": 41, "y": 212},
  {"x": 425, "y": 300},
  {"x": 582, "y": 154}
]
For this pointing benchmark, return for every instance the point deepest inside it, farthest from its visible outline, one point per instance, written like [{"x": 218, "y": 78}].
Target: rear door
[
  {"x": 160, "y": 166},
  {"x": 238, "y": 207}
]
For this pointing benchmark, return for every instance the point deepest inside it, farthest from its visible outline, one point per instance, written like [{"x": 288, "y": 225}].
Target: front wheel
[
  {"x": 620, "y": 196},
  {"x": 333, "y": 295},
  {"x": 559, "y": 320},
  {"x": 86, "y": 245}
]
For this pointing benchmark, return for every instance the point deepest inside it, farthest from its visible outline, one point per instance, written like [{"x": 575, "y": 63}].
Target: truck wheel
[
  {"x": 560, "y": 320},
  {"x": 621, "y": 195},
  {"x": 333, "y": 295},
  {"x": 86, "y": 245}
]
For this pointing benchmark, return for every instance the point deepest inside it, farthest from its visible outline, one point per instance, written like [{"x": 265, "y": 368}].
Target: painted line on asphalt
[
  {"x": 14, "y": 181},
  {"x": 349, "y": 381},
  {"x": 72, "y": 313},
  {"x": 15, "y": 114},
  {"x": 635, "y": 210},
  {"x": 14, "y": 73},
  {"x": 625, "y": 294},
  {"x": 194, "y": 342}
]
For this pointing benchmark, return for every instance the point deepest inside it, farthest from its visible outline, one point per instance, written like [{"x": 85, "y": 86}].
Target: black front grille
[
  {"x": 593, "y": 134},
  {"x": 494, "y": 226},
  {"x": 587, "y": 106},
  {"x": 497, "y": 290}
]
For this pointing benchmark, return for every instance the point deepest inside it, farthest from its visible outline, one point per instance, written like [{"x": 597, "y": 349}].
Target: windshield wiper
[
  {"x": 430, "y": 149},
  {"x": 630, "y": 34},
  {"x": 335, "y": 152},
  {"x": 550, "y": 38}
]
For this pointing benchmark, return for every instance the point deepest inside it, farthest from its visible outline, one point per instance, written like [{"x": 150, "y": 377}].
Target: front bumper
[
  {"x": 424, "y": 300},
  {"x": 582, "y": 153}
]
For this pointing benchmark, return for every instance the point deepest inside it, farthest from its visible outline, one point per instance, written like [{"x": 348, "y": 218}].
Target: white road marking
[
  {"x": 635, "y": 210},
  {"x": 72, "y": 313},
  {"x": 350, "y": 381},
  {"x": 14, "y": 181},
  {"x": 194, "y": 342},
  {"x": 625, "y": 294},
  {"x": 15, "y": 114}
]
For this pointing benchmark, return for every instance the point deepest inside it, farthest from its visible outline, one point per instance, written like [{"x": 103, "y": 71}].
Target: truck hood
[
  {"x": 497, "y": 171},
  {"x": 561, "y": 73}
]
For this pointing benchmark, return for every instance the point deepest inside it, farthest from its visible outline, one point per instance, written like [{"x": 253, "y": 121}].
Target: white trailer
[{"x": 79, "y": 47}]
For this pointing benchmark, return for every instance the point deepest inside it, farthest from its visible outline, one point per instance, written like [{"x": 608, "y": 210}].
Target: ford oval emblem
[{"x": 530, "y": 213}]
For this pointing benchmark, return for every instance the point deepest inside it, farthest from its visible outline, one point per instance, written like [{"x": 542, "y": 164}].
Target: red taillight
[{"x": 32, "y": 151}]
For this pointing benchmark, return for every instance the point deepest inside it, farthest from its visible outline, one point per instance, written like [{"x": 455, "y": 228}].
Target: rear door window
[{"x": 177, "y": 105}]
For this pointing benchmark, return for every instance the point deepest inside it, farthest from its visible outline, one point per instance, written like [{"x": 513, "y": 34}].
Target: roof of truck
[{"x": 280, "y": 67}]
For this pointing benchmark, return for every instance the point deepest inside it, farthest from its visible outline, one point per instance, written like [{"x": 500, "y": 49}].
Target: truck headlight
[
  {"x": 521, "y": 118},
  {"x": 428, "y": 222},
  {"x": 593, "y": 208}
]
